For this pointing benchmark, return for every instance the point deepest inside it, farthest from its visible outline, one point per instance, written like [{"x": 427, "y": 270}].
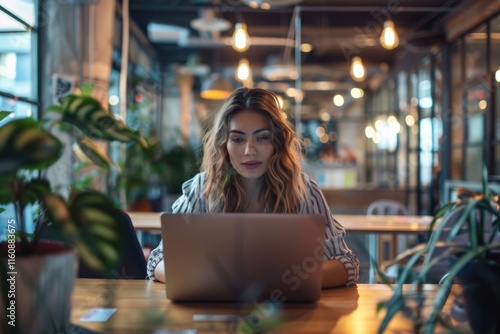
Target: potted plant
[
  {"x": 465, "y": 239},
  {"x": 155, "y": 168},
  {"x": 36, "y": 275}
]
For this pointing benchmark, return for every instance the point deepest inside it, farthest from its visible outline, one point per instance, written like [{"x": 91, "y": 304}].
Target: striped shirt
[{"x": 193, "y": 201}]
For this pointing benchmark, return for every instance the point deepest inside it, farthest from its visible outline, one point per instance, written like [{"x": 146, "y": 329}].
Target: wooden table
[
  {"x": 142, "y": 307},
  {"x": 150, "y": 221},
  {"x": 380, "y": 224},
  {"x": 372, "y": 225}
]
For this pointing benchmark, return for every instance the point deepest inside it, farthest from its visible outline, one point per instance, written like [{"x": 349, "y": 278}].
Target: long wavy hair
[{"x": 284, "y": 186}]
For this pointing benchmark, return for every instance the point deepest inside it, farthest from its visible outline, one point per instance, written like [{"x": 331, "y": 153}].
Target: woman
[{"x": 252, "y": 163}]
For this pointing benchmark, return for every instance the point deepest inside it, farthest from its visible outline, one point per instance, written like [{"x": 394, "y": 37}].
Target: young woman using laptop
[{"x": 252, "y": 163}]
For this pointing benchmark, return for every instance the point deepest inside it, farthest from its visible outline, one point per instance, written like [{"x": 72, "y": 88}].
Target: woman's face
[{"x": 249, "y": 143}]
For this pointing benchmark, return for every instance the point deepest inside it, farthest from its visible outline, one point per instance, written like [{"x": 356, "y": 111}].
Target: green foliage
[
  {"x": 87, "y": 219},
  {"x": 166, "y": 168},
  {"x": 467, "y": 219},
  {"x": 4, "y": 114}
]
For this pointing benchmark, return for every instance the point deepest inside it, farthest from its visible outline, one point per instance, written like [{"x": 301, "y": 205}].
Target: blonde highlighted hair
[{"x": 284, "y": 185}]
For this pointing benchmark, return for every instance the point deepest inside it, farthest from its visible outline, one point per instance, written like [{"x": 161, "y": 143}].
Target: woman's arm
[
  {"x": 160, "y": 272},
  {"x": 337, "y": 253},
  {"x": 334, "y": 274},
  {"x": 192, "y": 201}
]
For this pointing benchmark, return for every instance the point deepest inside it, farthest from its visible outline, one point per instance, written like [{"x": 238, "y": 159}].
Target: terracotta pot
[{"x": 36, "y": 289}]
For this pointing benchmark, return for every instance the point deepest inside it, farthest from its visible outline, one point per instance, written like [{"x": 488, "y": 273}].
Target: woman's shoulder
[
  {"x": 194, "y": 184},
  {"x": 309, "y": 182}
]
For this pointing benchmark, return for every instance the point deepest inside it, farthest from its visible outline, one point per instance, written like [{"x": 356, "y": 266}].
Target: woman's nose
[{"x": 250, "y": 149}]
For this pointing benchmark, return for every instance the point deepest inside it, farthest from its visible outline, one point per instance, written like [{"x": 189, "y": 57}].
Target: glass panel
[
  {"x": 24, "y": 9},
  {"x": 456, "y": 63},
  {"x": 495, "y": 43},
  {"x": 424, "y": 89},
  {"x": 474, "y": 163},
  {"x": 457, "y": 119},
  {"x": 370, "y": 170},
  {"x": 412, "y": 169},
  {"x": 497, "y": 111},
  {"x": 438, "y": 85},
  {"x": 476, "y": 102},
  {"x": 17, "y": 59},
  {"x": 475, "y": 53},
  {"x": 380, "y": 165},
  {"x": 456, "y": 163},
  {"x": 18, "y": 109},
  {"x": 391, "y": 96},
  {"x": 402, "y": 93},
  {"x": 497, "y": 159},
  {"x": 475, "y": 128},
  {"x": 412, "y": 119},
  {"x": 8, "y": 24},
  {"x": 426, "y": 146}
]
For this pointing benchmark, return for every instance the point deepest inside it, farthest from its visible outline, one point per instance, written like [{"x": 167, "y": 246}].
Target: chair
[
  {"x": 388, "y": 244},
  {"x": 132, "y": 264},
  {"x": 387, "y": 207}
]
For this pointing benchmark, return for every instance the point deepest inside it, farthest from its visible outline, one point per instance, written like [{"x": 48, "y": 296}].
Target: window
[
  {"x": 18, "y": 68},
  {"x": 17, "y": 57}
]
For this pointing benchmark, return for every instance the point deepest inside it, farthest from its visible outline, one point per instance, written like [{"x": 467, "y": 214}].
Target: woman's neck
[{"x": 254, "y": 194}]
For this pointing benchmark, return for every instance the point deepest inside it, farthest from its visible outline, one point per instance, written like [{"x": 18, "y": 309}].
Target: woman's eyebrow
[{"x": 255, "y": 132}]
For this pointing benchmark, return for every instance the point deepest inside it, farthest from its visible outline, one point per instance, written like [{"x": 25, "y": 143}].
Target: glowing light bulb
[
  {"x": 389, "y": 38},
  {"x": 357, "y": 69},
  {"x": 357, "y": 93},
  {"x": 243, "y": 70},
  {"x": 241, "y": 40},
  {"x": 338, "y": 100}
]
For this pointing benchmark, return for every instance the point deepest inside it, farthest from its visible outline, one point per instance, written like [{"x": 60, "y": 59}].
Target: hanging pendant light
[
  {"x": 389, "y": 38},
  {"x": 243, "y": 70},
  {"x": 241, "y": 40},
  {"x": 244, "y": 73},
  {"x": 216, "y": 87},
  {"x": 357, "y": 69}
]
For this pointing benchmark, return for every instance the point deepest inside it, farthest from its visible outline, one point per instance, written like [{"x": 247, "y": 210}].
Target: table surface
[
  {"x": 142, "y": 307},
  {"x": 150, "y": 221}
]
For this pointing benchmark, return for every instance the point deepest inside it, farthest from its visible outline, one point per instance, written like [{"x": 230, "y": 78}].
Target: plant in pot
[
  {"x": 37, "y": 275},
  {"x": 155, "y": 170},
  {"x": 464, "y": 247}
]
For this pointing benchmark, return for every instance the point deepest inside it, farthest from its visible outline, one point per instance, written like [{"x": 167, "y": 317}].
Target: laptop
[{"x": 243, "y": 257}]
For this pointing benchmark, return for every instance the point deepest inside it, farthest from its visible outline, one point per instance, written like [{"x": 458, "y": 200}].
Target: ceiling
[{"x": 337, "y": 30}]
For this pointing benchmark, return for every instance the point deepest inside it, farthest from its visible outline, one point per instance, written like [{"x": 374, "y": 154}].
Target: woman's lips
[{"x": 252, "y": 164}]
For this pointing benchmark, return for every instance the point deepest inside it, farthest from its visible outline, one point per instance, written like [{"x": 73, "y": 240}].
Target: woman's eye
[
  {"x": 236, "y": 140},
  {"x": 263, "y": 138}
]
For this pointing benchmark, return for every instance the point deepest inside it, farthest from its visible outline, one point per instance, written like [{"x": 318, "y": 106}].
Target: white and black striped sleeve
[
  {"x": 335, "y": 245},
  {"x": 191, "y": 201}
]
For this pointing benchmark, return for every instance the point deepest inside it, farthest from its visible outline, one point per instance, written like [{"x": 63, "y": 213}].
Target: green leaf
[
  {"x": 86, "y": 149},
  {"x": 88, "y": 115},
  {"x": 100, "y": 229},
  {"x": 35, "y": 190},
  {"x": 87, "y": 89},
  {"x": 57, "y": 210},
  {"x": 6, "y": 193},
  {"x": 486, "y": 190},
  {"x": 4, "y": 114},
  {"x": 26, "y": 145},
  {"x": 394, "y": 305}
]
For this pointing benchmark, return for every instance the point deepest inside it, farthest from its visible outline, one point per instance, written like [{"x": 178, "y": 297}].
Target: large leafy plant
[
  {"x": 461, "y": 232},
  {"x": 85, "y": 219},
  {"x": 152, "y": 166}
]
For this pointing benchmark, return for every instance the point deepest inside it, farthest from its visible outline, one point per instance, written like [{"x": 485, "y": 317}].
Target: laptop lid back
[{"x": 243, "y": 257}]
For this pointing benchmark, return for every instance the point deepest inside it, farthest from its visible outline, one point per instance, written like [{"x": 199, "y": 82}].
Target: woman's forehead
[{"x": 248, "y": 119}]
